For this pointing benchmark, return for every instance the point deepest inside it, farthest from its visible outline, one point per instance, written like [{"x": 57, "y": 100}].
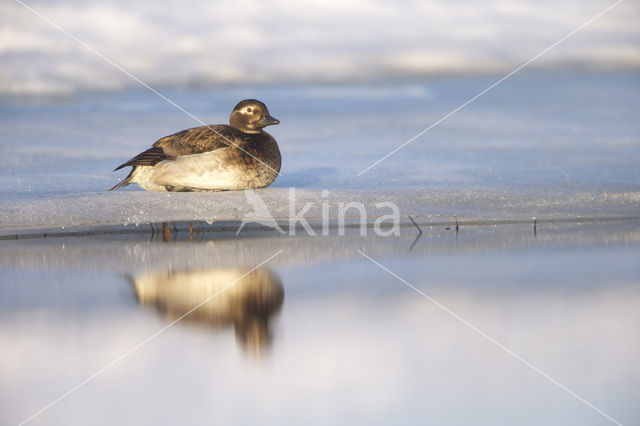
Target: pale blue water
[{"x": 336, "y": 339}]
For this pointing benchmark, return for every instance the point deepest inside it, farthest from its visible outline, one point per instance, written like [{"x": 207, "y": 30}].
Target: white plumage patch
[{"x": 206, "y": 171}]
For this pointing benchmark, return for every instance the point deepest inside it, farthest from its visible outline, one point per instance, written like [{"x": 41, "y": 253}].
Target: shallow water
[{"x": 320, "y": 334}]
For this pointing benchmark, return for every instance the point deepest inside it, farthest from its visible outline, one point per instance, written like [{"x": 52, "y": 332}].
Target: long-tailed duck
[{"x": 211, "y": 158}]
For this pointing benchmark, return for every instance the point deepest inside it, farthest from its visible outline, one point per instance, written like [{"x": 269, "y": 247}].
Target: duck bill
[{"x": 268, "y": 121}]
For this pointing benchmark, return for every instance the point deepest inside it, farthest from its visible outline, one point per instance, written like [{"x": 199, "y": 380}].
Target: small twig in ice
[
  {"x": 457, "y": 227},
  {"x": 415, "y": 224},
  {"x": 419, "y": 232}
]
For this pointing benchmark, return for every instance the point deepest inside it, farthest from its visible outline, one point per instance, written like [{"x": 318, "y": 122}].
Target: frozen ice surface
[{"x": 549, "y": 144}]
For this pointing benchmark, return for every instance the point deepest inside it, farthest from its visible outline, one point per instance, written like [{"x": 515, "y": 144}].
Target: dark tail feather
[
  {"x": 125, "y": 182},
  {"x": 150, "y": 157}
]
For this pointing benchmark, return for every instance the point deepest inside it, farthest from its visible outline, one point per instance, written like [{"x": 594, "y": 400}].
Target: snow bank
[{"x": 202, "y": 43}]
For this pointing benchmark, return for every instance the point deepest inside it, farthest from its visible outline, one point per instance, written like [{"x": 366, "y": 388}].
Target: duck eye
[{"x": 249, "y": 109}]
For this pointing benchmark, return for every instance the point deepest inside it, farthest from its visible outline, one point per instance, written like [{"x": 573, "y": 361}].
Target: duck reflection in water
[{"x": 248, "y": 303}]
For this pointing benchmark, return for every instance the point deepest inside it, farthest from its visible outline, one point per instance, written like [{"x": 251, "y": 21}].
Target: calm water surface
[{"x": 321, "y": 335}]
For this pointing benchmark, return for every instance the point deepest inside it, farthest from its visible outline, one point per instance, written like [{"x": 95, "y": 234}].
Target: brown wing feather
[
  {"x": 198, "y": 140},
  {"x": 150, "y": 157},
  {"x": 190, "y": 141}
]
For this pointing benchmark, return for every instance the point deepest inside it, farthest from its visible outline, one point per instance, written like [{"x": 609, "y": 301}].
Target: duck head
[{"x": 251, "y": 116}]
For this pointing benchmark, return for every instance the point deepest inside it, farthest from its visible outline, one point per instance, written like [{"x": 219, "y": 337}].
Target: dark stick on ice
[
  {"x": 419, "y": 232},
  {"x": 457, "y": 227},
  {"x": 415, "y": 224},
  {"x": 535, "y": 227}
]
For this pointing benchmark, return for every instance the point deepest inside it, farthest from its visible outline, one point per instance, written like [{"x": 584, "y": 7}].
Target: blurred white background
[{"x": 198, "y": 43}]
